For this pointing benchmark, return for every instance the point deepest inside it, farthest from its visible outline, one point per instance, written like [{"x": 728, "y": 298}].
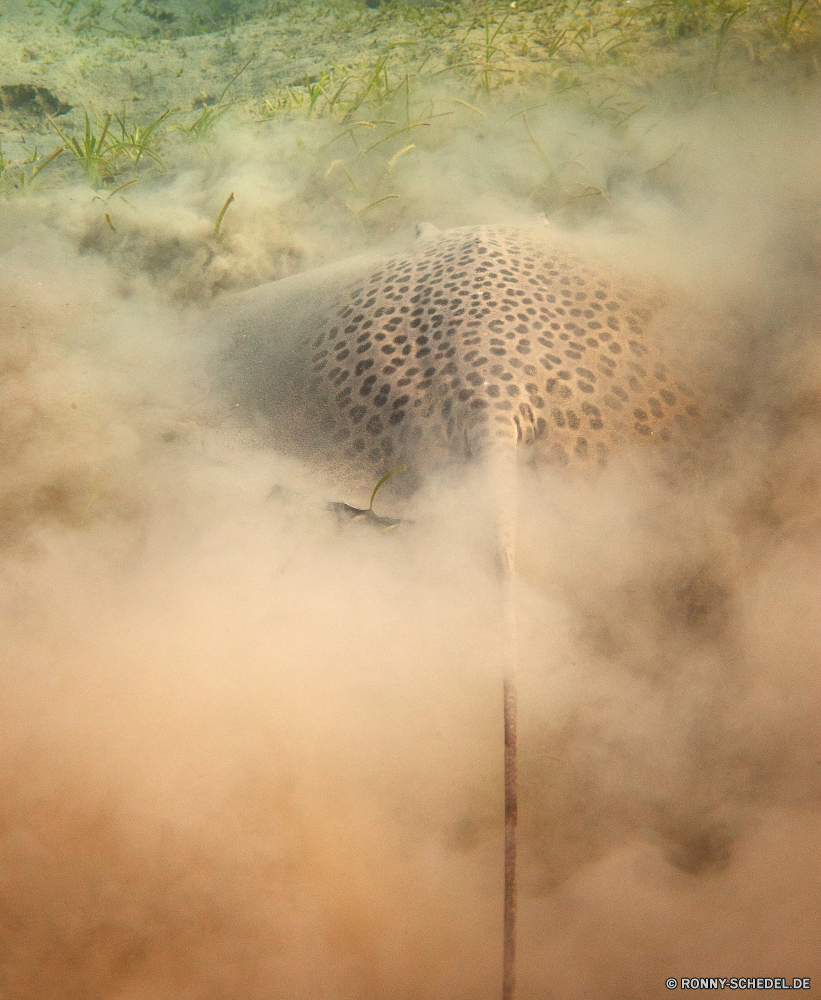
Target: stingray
[
  {"x": 476, "y": 343},
  {"x": 435, "y": 355}
]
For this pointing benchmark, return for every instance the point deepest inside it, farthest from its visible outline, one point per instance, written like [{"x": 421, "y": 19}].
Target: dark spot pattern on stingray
[
  {"x": 468, "y": 342},
  {"x": 488, "y": 334}
]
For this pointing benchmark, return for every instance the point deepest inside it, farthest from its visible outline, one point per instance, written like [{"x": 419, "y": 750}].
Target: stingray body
[
  {"x": 472, "y": 344},
  {"x": 472, "y": 337}
]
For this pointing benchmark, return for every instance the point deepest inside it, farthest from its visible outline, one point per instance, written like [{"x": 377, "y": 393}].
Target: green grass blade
[{"x": 383, "y": 480}]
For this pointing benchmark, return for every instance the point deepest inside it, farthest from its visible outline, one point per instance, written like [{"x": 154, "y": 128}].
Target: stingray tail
[{"x": 503, "y": 476}]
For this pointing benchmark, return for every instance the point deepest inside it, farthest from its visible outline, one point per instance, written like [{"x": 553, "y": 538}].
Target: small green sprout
[
  {"x": 383, "y": 480},
  {"x": 221, "y": 216},
  {"x": 369, "y": 516}
]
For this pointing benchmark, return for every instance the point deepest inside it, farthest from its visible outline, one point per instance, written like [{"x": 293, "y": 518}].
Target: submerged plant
[
  {"x": 22, "y": 179},
  {"x": 138, "y": 141},
  {"x": 221, "y": 216},
  {"x": 489, "y": 52},
  {"x": 102, "y": 156},
  {"x": 481, "y": 55},
  {"x": 299, "y": 98},
  {"x": 368, "y": 515},
  {"x": 343, "y": 91},
  {"x": 383, "y": 480},
  {"x": 93, "y": 153},
  {"x": 788, "y": 18},
  {"x": 203, "y": 125}
]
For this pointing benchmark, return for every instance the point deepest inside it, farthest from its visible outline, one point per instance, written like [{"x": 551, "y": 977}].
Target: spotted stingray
[
  {"x": 475, "y": 336},
  {"x": 476, "y": 342}
]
